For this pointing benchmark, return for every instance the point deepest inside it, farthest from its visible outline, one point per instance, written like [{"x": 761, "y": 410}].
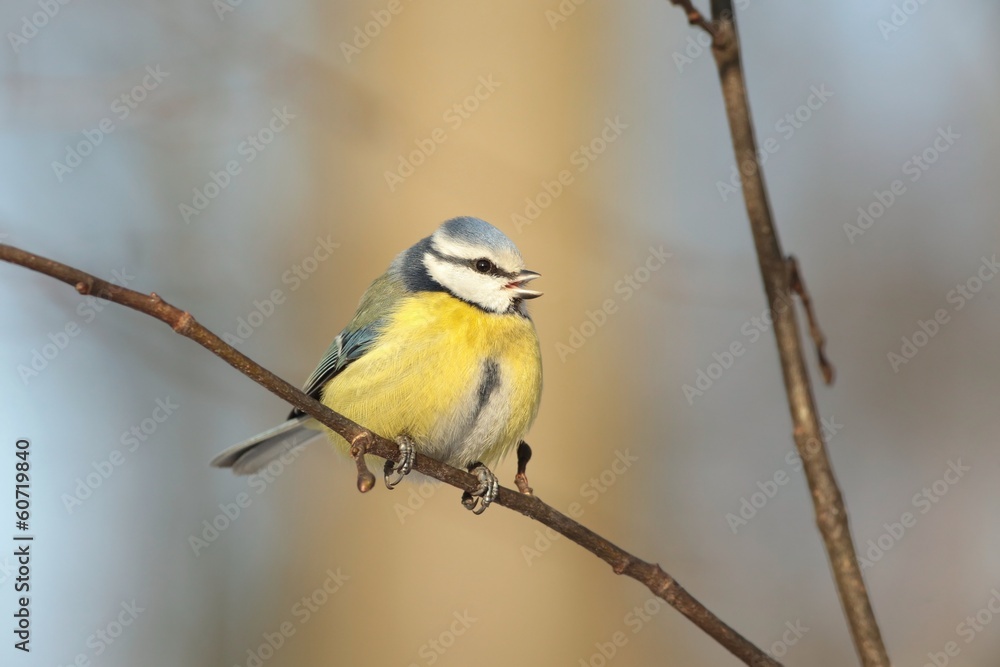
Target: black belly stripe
[{"x": 489, "y": 382}]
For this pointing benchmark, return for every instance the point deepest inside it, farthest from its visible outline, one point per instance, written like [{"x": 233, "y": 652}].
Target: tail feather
[{"x": 254, "y": 454}]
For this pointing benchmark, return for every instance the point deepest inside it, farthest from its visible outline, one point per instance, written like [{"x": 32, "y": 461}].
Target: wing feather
[
  {"x": 347, "y": 347},
  {"x": 377, "y": 305}
]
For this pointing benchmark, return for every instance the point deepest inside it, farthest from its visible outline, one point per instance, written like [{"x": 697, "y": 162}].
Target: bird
[{"x": 441, "y": 357}]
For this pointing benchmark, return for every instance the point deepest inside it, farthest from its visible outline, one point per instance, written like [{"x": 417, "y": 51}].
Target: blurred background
[{"x": 259, "y": 164}]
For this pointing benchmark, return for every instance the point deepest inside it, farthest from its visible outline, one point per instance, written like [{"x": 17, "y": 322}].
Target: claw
[
  {"x": 395, "y": 472},
  {"x": 485, "y": 493}
]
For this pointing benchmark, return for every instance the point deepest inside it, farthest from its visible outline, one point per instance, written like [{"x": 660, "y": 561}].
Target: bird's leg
[
  {"x": 395, "y": 472},
  {"x": 521, "y": 478},
  {"x": 485, "y": 493}
]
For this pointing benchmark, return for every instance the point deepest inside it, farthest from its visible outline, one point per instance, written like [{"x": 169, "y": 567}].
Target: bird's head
[{"x": 472, "y": 260}]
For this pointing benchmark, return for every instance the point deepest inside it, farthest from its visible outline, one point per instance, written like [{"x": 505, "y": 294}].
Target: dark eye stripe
[
  {"x": 493, "y": 270},
  {"x": 471, "y": 263}
]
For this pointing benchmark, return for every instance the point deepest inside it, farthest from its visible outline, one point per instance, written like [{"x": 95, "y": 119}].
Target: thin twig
[
  {"x": 364, "y": 441},
  {"x": 798, "y": 285},
  {"x": 695, "y": 17},
  {"x": 831, "y": 514}
]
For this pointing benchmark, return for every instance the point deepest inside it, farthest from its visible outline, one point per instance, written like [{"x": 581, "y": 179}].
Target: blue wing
[{"x": 349, "y": 346}]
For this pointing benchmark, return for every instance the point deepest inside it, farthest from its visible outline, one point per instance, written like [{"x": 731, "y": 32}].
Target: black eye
[{"x": 484, "y": 265}]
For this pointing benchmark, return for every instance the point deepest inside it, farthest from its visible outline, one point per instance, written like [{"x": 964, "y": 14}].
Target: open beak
[{"x": 517, "y": 285}]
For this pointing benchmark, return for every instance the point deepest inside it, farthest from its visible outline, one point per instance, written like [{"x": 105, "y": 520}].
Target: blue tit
[{"x": 441, "y": 357}]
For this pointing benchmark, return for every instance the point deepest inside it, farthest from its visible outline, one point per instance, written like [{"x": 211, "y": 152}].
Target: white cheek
[{"x": 486, "y": 291}]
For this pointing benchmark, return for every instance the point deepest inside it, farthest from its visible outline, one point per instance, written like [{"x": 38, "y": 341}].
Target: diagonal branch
[
  {"x": 650, "y": 574},
  {"x": 781, "y": 277}
]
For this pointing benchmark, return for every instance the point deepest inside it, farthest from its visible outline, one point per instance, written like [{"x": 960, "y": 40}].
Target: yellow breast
[{"x": 426, "y": 377}]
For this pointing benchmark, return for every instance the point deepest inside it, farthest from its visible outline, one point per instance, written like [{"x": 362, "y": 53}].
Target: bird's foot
[
  {"x": 521, "y": 478},
  {"x": 485, "y": 493},
  {"x": 396, "y": 471}
]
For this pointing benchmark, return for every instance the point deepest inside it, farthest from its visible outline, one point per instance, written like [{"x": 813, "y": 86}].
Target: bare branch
[
  {"x": 364, "y": 441},
  {"x": 781, "y": 277},
  {"x": 695, "y": 17},
  {"x": 798, "y": 285}
]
